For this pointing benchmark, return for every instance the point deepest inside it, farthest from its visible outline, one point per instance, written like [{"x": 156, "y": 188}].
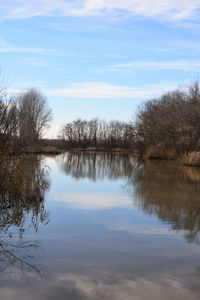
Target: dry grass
[
  {"x": 160, "y": 152},
  {"x": 43, "y": 150},
  {"x": 191, "y": 159}
]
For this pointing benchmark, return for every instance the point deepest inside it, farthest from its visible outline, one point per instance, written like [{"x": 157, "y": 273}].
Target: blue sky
[{"x": 99, "y": 57}]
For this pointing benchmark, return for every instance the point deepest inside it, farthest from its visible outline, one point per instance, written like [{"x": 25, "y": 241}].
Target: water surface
[{"x": 98, "y": 226}]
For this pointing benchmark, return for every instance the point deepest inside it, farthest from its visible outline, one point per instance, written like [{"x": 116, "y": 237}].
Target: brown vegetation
[
  {"x": 159, "y": 151},
  {"x": 170, "y": 123},
  {"x": 42, "y": 150},
  {"x": 23, "y": 119},
  {"x": 191, "y": 159}
]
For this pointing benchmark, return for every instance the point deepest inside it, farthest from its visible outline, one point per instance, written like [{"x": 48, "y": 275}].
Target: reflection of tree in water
[
  {"x": 96, "y": 166},
  {"x": 166, "y": 190},
  {"x": 23, "y": 183},
  {"x": 159, "y": 188}
]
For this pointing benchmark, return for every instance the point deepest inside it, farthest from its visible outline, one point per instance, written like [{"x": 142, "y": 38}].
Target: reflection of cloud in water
[
  {"x": 94, "y": 201},
  {"x": 141, "y": 229},
  {"x": 126, "y": 289},
  {"x": 82, "y": 287}
]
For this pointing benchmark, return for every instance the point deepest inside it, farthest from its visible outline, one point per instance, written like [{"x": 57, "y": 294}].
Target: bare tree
[
  {"x": 34, "y": 116},
  {"x": 95, "y": 132},
  {"x": 8, "y": 117},
  {"x": 172, "y": 120}
]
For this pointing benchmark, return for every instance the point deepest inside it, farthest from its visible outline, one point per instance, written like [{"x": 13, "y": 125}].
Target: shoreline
[{"x": 191, "y": 159}]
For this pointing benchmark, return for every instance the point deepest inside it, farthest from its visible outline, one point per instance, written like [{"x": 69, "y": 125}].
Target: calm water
[{"x": 87, "y": 226}]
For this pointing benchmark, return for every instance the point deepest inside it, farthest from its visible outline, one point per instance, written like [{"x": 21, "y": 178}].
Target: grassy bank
[
  {"x": 162, "y": 152},
  {"x": 104, "y": 149},
  {"x": 42, "y": 150}
]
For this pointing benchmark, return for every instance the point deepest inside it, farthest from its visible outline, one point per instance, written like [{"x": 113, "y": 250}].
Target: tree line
[
  {"x": 98, "y": 133},
  {"x": 171, "y": 121}
]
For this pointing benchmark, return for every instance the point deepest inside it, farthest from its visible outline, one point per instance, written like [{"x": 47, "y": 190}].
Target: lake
[{"x": 98, "y": 226}]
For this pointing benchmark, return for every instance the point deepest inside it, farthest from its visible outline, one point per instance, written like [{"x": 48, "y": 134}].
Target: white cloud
[
  {"x": 179, "y": 65},
  {"x": 170, "y": 9},
  {"x": 106, "y": 90}
]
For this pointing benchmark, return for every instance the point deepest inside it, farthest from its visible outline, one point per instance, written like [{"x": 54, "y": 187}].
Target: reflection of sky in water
[{"x": 98, "y": 245}]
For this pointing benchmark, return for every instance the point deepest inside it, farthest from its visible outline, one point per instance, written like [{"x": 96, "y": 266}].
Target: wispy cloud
[
  {"x": 170, "y": 9},
  {"x": 34, "y": 62},
  {"x": 6, "y": 48},
  {"x": 141, "y": 229},
  {"x": 43, "y": 51},
  {"x": 179, "y": 65},
  {"x": 106, "y": 90}
]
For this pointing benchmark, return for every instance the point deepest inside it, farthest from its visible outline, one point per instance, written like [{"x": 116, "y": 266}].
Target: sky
[{"x": 99, "y": 58}]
